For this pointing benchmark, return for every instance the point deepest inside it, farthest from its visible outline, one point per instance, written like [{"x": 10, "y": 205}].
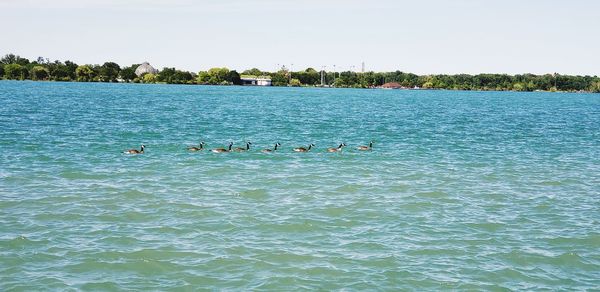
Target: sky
[{"x": 423, "y": 37}]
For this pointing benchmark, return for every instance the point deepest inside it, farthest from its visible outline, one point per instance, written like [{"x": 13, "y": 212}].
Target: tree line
[{"x": 18, "y": 68}]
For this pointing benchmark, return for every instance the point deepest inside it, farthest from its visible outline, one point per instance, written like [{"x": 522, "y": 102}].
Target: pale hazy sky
[{"x": 430, "y": 36}]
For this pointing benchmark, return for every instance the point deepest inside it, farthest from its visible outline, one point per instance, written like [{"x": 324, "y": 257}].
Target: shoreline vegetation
[{"x": 14, "y": 67}]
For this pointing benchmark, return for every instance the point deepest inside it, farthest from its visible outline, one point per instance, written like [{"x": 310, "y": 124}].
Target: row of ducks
[{"x": 268, "y": 150}]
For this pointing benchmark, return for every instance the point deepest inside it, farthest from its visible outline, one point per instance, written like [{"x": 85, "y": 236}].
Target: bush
[
  {"x": 595, "y": 87},
  {"x": 295, "y": 82},
  {"x": 149, "y": 78}
]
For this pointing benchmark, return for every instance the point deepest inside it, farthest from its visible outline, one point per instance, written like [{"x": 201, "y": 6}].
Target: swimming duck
[
  {"x": 240, "y": 149},
  {"x": 221, "y": 150},
  {"x": 339, "y": 148},
  {"x": 302, "y": 149},
  {"x": 366, "y": 148},
  {"x": 271, "y": 150},
  {"x": 135, "y": 151},
  {"x": 192, "y": 148}
]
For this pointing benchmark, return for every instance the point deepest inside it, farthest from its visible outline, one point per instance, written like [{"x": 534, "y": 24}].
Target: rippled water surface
[{"x": 463, "y": 190}]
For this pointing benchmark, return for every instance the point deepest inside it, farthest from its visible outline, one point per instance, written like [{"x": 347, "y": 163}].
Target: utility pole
[{"x": 333, "y": 75}]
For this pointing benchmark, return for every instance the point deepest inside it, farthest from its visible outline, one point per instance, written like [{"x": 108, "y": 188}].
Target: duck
[
  {"x": 366, "y": 148},
  {"x": 334, "y": 149},
  {"x": 193, "y": 148},
  {"x": 240, "y": 149},
  {"x": 271, "y": 150},
  {"x": 135, "y": 151},
  {"x": 302, "y": 149},
  {"x": 222, "y": 150}
]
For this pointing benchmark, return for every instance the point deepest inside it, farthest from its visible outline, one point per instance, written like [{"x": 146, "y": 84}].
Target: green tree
[
  {"x": 253, "y": 72},
  {"x": 340, "y": 82},
  {"x": 96, "y": 73},
  {"x": 42, "y": 61},
  {"x": 15, "y": 71},
  {"x": 39, "y": 73},
  {"x": 295, "y": 82},
  {"x": 427, "y": 85},
  {"x": 59, "y": 71},
  {"x": 85, "y": 73},
  {"x": 8, "y": 59},
  {"x": 233, "y": 77},
  {"x": 202, "y": 77},
  {"x": 518, "y": 86},
  {"x": 13, "y": 59},
  {"x": 309, "y": 76},
  {"x": 427, "y": 82},
  {"x": 279, "y": 78},
  {"x": 174, "y": 76},
  {"x": 166, "y": 75},
  {"x": 183, "y": 77},
  {"x": 218, "y": 76},
  {"x": 595, "y": 87},
  {"x": 109, "y": 72},
  {"x": 531, "y": 86},
  {"x": 128, "y": 73},
  {"x": 71, "y": 67}
]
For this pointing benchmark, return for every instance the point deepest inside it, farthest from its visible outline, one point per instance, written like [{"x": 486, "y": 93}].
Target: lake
[{"x": 462, "y": 190}]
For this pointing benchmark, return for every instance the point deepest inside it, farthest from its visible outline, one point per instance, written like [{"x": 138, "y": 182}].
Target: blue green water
[{"x": 463, "y": 190}]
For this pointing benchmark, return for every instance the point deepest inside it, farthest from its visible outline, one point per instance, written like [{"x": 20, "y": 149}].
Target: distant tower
[{"x": 363, "y": 67}]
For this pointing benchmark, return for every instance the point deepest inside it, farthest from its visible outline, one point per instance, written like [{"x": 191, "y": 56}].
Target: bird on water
[
  {"x": 199, "y": 148},
  {"x": 366, "y": 148},
  {"x": 135, "y": 151},
  {"x": 336, "y": 149},
  {"x": 222, "y": 150},
  {"x": 271, "y": 150},
  {"x": 240, "y": 149},
  {"x": 302, "y": 149}
]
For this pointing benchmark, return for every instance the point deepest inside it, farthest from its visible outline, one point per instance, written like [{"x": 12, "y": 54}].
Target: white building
[{"x": 256, "y": 80}]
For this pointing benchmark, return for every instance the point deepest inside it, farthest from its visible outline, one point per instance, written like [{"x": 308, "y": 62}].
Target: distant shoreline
[
  {"x": 312, "y": 87},
  {"x": 14, "y": 67}
]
